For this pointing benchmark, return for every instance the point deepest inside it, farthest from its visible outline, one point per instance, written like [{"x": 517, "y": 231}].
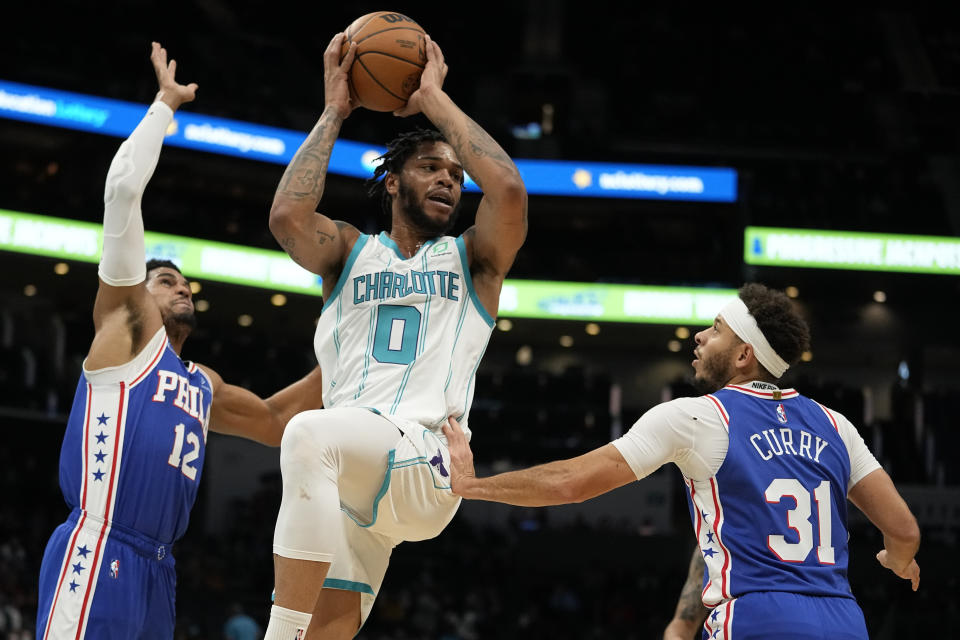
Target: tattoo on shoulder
[{"x": 323, "y": 236}]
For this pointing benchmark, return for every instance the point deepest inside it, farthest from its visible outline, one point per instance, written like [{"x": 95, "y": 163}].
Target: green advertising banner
[
  {"x": 72, "y": 240},
  {"x": 851, "y": 250},
  {"x": 222, "y": 262},
  {"x": 611, "y": 302}
]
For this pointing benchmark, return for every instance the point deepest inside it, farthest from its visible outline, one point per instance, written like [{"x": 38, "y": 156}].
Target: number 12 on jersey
[{"x": 798, "y": 519}]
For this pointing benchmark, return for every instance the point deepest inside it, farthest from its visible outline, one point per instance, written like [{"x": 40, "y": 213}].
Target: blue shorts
[
  {"x": 786, "y": 616},
  {"x": 105, "y": 584}
]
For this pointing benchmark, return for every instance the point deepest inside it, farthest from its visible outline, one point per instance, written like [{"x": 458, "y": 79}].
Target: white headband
[{"x": 738, "y": 318}]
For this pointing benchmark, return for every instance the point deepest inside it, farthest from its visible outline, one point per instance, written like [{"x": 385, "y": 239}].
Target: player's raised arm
[
  {"x": 124, "y": 315},
  {"x": 501, "y": 223},
  {"x": 312, "y": 240}
]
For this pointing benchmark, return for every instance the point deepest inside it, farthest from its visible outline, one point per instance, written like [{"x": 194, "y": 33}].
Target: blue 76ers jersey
[
  {"x": 134, "y": 443},
  {"x": 773, "y": 517}
]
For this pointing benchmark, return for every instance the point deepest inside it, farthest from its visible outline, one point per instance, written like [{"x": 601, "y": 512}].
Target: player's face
[
  {"x": 715, "y": 356},
  {"x": 173, "y": 295},
  {"x": 429, "y": 187}
]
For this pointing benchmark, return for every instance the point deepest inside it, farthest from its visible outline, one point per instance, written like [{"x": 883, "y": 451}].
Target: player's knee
[{"x": 305, "y": 439}]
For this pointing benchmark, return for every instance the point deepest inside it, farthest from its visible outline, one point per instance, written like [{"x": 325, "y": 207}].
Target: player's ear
[
  {"x": 391, "y": 182},
  {"x": 744, "y": 352}
]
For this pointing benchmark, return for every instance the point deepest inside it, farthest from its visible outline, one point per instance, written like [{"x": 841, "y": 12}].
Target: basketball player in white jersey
[
  {"x": 406, "y": 318},
  {"x": 768, "y": 473}
]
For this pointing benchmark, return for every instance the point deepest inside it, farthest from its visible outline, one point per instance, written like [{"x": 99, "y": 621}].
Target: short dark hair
[
  {"x": 398, "y": 152},
  {"x": 156, "y": 263},
  {"x": 779, "y": 320}
]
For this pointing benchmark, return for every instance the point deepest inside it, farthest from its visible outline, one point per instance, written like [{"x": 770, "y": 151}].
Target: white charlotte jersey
[{"x": 403, "y": 336}]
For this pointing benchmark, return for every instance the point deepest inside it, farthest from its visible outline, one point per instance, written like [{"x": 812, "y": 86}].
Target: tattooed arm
[
  {"x": 501, "y": 223},
  {"x": 314, "y": 241},
  {"x": 690, "y": 612}
]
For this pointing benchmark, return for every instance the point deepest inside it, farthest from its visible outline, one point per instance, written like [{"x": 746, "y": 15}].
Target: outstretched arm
[
  {"x": 880, "y": 501},
  {"x": 560, "y": 482},
  {"x": 312, "y": 240},
  {"x": 690, "y": 612},
  {"x": 124, "y": 315},
  {"x": 238, "y": 412},
  {"x": 501, "y": 223}
]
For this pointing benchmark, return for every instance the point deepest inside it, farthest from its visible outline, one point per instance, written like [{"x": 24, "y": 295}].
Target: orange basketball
[{"x": 389, "y": 60}]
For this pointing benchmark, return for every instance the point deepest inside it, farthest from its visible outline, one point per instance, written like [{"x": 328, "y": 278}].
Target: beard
[
  {"x": 714, "y": 372},
  {"x": 179, "y": 325},
  {"x": 418, "y": 218}
]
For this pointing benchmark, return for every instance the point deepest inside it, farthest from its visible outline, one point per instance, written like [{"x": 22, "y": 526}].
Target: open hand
[
  {"x": 171, "y": 92},
  {"x": 336, "y": 87},
  {"x": 910, "y": 572},
  {"x": 461, "y": 457},
  {"x": 431, "y": 79}
]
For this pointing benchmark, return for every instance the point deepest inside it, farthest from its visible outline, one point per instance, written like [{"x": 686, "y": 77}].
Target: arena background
[{"x": 834, "y": 119}]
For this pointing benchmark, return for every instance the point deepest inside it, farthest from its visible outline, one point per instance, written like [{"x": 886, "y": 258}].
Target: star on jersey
[
  {"x": 715, "y": 632},
  {"x": 102, "y": 418},
  {"x": 98, "y": 475},
  {"x": 73, "y": 586},
  {"x": 704, "y": 514},
  {"x": 83, "y": 551},
  {"x": 709, "y": 552},
  {"x": 77, "y": 568},
  {"x": 710, "y": 537},
  {"x": 101, "y": 437},
  {"x": 716, "y": 612},
  {"x": 99, "y": 455}
]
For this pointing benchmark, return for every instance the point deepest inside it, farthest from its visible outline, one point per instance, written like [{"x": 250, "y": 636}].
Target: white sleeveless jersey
[{"x": 403, "y": 336}]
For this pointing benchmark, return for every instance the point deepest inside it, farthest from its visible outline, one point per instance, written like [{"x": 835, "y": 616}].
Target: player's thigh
[
  {"x": 791, "y": 616},
  {"x": 356, "y": 446},
  {"x": 103, "y": 592}
]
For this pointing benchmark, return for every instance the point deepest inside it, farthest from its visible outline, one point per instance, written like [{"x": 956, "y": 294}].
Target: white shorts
[{"x": 394, "y": 487}]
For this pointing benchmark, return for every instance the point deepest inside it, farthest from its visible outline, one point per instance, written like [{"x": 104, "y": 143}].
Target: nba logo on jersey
[
  {"x": 781, "y": 414},
  {"x": 114, "y": 569}
]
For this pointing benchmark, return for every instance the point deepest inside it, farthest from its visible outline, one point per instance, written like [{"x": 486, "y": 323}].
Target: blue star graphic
[
  {"x": 710, "y": 537},
  {"x": 98, "y": 475},
  {"x": 73, "y": 586},
  {"x": 101, "y": 437},
  {"x": 715, "y": 633},
  {"x": 100, "y": 455},
  {"x": 716, "y": 613},
  {"x": 102, "y": 418},
  {"x": 77, "y": 568},
  {"x": 709, "y": 552},
  {"x": 704, "y": 514},
  {"x": 83, "y": 551}
]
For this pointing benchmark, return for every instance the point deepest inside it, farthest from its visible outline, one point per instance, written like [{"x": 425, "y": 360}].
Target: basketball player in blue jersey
[
  {"x": 406, "y": 318},
  {"x": 134, "y": 444},
  {"x": 767, "y": 472}
]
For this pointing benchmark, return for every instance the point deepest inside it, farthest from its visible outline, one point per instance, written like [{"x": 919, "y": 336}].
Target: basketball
[{"x": 389, "y": 60}]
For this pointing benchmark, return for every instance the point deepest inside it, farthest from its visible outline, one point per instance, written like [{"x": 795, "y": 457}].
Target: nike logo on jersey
[
  {"x": 387, "y": 285},
  {"x": 188, "y": 397},
  {"x": 780, "y": 442}
]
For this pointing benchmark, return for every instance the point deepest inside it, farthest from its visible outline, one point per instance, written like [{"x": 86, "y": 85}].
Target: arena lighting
[
  {"x": 270, "y": 144},
  {"x": 858, "y": 251},
  {"x": 236, "y": 264}
]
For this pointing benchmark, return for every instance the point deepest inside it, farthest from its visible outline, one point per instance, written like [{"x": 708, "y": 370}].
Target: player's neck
[
  {"x": 177, "y": 335},
  {"x": 409, "y": 240}
]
